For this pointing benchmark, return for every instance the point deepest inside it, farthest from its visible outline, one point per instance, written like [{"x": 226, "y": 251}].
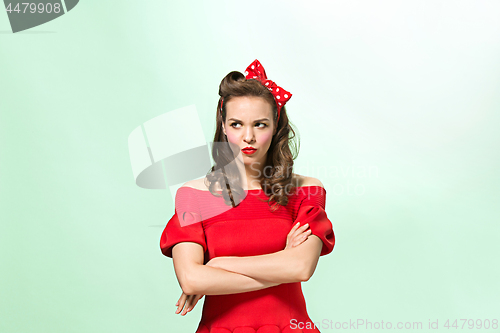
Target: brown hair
[{"x": 277, "y": 180}]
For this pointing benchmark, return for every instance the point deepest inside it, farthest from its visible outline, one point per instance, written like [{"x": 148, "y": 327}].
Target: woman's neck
[{"x": 253, "y": 176}]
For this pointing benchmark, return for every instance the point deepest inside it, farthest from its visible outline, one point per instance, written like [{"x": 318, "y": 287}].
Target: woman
[{"x": 227, "y": 240}]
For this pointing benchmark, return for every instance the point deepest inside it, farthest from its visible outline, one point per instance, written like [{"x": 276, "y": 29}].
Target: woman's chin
[{"x": 248, "y": 160}]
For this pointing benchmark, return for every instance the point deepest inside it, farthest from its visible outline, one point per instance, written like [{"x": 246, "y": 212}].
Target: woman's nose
[{"x": 249, "y": 135}]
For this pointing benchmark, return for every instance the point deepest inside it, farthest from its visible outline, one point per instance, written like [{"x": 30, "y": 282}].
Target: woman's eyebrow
[{"x": 255, "y": 121}]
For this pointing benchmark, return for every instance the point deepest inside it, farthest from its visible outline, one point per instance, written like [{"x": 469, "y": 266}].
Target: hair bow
[{"x": 256, "y": 71}]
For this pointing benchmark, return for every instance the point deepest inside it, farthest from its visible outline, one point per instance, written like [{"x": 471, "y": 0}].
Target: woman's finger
[
  {"x": 194, "y": 301},
  {"x": 188, "y": 302},
  {"x": 300, "y": 231},
  {"x": 300, "y": 239},
  {"x": 180, "y": 303},
  {"x": 289, "y": 237},
  {"x": 304, "y": 227},
  {"x": 294, "y": 228},
  {"x": 191, "y": 302}
]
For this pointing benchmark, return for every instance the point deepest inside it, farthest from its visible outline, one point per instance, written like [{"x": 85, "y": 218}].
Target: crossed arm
[
  {"x": 285, "y": 266},
  {"x": 231, "y": 275}
]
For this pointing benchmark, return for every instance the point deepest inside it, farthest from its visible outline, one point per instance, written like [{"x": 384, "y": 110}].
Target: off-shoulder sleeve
[
  {"x": 312, "y": 211},
  {"x": 185, "y": 225}
]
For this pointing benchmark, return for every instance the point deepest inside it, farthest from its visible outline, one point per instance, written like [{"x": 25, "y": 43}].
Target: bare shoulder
[
  {"x": 198, "y": 184},
  {"x": 301, "y": 181}
]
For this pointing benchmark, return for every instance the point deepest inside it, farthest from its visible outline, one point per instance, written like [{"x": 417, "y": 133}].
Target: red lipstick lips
[{"x": 249, "y": 150}]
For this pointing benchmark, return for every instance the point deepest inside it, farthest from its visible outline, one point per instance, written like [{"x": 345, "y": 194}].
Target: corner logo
[{"x": 26, "y": 15}]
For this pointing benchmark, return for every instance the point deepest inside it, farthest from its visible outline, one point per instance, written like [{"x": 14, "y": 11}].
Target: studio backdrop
[{"x": 396, "y": 105}]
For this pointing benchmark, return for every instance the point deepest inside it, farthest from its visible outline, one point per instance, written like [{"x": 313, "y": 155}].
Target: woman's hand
[
  {"x": 297, "y": 235},
  {"x": 187, "y": 302}
]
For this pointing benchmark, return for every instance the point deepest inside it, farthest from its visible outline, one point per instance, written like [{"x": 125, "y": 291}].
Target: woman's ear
[{"x": 224, "y": 129}]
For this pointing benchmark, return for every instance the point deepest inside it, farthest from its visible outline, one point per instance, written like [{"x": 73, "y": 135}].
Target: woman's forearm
[
  {"x": 284, "y": 266},
  {"x": 206, "y": 280}
]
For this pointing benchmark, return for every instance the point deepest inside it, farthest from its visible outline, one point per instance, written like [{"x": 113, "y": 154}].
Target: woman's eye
[{"x": 264, "y": 125}]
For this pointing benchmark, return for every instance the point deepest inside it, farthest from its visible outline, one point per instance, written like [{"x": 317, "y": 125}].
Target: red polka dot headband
[{"x": 256, "y": 71}]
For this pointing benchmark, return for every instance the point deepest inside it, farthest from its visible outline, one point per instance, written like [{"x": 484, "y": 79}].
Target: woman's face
[{"x": 249, "y": 123}]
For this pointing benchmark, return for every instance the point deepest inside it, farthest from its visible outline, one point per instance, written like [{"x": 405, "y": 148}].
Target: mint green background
[{"x": 406, "y": 89}]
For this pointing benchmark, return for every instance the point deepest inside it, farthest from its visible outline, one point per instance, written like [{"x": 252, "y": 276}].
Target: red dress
[{"x": 249, "y": 229}]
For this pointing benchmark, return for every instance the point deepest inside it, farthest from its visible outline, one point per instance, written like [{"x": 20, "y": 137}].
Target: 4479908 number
[
  {"x": 472, "y": 324},
  {"x": 34, "y": 8}
]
